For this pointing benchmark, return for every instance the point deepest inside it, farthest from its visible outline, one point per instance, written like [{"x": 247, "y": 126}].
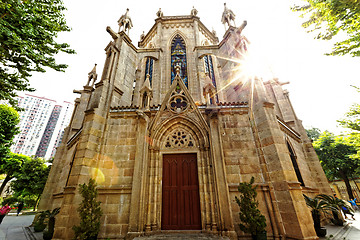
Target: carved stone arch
[
  {"x": 177, "y": 32},
  {"x": 160, "y": 131},
  {"x": 198, "y": 135}
]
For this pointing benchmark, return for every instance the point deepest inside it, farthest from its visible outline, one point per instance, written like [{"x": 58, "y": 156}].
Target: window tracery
[
  {"x": 209, "y": 70},
  {"x": 178, "y": 102},
  {"x": 179, "y": 139},
  {"x": 149, "y": 68},
  {"x": 178, "y": 58}
]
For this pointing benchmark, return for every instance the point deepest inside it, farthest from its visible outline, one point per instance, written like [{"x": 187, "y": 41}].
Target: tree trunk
[
  {"x": 37, "y": 202},
  {"x": 347, "y": 184},
  {"x": 6, "y": 180}
]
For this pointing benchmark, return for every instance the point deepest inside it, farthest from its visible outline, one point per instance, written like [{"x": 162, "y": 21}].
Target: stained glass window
[
  {"x": 178, "y": 58},
  {"x": 209, "y": 69},
  {"x": 149, "y": 68}
]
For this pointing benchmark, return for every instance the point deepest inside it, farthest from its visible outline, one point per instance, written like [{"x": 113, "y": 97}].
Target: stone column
[
  {"x": 222, "y": 190},
  {"x": 137, "y": 214}
]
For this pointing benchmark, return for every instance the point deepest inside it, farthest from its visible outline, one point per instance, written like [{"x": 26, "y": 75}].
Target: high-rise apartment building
[{"x": 41, "y": 125}]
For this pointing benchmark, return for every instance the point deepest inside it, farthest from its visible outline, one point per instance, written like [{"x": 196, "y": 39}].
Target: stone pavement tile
[{"x": 12, "y": 227}]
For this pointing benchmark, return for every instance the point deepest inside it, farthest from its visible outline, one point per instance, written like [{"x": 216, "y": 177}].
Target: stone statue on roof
[
  {"x": 227, "y": 17},
  {"x": 194, "y": 12},
  {"x": 125, "y": 22},
  {"x": 159, "y": 13}
]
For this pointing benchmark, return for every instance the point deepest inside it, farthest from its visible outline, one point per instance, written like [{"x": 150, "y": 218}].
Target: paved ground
[{"x": 14, "y": 228}]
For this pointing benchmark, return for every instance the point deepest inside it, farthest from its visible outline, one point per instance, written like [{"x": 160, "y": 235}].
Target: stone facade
[{"x": 141, "y": 110}]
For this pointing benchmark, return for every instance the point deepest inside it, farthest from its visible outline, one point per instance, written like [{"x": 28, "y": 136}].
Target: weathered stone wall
[{"x": 115, "y": 174}]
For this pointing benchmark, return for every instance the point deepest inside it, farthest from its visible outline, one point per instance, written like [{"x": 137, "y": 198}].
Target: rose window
[{"x": 179, "y": 139}]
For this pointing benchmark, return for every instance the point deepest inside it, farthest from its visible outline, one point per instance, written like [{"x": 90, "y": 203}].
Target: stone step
[{"x": 182, "y": 236}]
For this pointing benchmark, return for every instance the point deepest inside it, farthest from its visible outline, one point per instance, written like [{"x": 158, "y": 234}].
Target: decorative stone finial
[
  {"x": 194, "y": 11},
  {"x": 214, "y": 32},
  {"x": 159, "y": 13},
  {"x": 177, "y": 70},
  {"x": 125, "y": 22},
  {"x": 142, "y": 36},
  {"x": 227, "y": 17},
  {"x": 92, "y": 76}
]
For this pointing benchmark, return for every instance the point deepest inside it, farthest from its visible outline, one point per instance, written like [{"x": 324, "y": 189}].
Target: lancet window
[
  {"x": 295, "y": 164},
  {"x": 209, "y": 70},
  {"x": 178, "y": 58},
  {"x": 149, "y": 68}
]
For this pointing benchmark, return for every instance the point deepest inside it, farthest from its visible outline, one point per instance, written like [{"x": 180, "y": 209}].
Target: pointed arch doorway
[{"x": 180, "y": 193}]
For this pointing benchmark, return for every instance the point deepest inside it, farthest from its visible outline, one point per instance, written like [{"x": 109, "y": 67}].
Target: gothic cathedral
[{"x": 171, "y": 129}]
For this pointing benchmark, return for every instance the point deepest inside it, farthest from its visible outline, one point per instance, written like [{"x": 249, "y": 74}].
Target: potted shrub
[
  {"x": 336, "y": 203},
  {"x": 252, "y": 221},
  {"x": 49, "y": 232},
  {"x": 89, "y": 211},
  {"x": 317, "y": 206},
  {"x": 39, "y": 224}
]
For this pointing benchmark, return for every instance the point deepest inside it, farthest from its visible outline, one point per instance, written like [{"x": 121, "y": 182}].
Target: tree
[
  {"x": 338, "y": 158},
  {"x": 331, "y": 18},
  {"x": 90, "y": 212},
  {"x": 9, "y": 119},
  {"x": 31, "y": 180},
  {"x": 352, "y": 119},
  {"x": 313, "y": 133},
  {"x": 11, "y": 166},
  {"x": 28, "y": 30},
  {"x": 252, "y": 221}
]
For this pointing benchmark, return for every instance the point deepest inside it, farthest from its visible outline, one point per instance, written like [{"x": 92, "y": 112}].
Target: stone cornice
[{"x": 290, "y": 131}]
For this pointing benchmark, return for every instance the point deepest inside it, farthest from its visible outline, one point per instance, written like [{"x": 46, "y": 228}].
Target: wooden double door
[{"x": 180, "y": 193}]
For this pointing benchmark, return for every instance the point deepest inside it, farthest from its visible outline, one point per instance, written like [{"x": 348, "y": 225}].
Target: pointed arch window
[
  {"x": 149, "y": 68},
  {"x": 295, "y": 165},
  {"x": 209, "y": 70},
  {"x": 178, "y": 58}
]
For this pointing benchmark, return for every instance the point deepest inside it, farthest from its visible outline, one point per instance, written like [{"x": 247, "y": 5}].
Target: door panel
[{"x": 180, "y": 197}]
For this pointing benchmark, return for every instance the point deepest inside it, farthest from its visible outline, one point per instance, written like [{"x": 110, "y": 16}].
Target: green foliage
[
  {"x": 331, "y": 18},
  {"x": 11, "y": 166},
  {"x": 318, "y": 204},
  {"x": 49, "y": 232},
  {"x": 352, "y": 121},
  {"x": 90, "y": 212},
  {"x": 325, "y": 204},
  {"x": 31, "y": 180},
  {"x": 39, "y": 224},
  {"x": 338, "y": 157},
  {"x": 28, "y": 30},
  {"x": 9, "y": 119},
  {"x": 252, "y": 221},
  {"x": 313, "y": 133}
]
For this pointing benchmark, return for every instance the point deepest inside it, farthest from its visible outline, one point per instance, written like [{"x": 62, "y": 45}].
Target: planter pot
[
  {"x": 321, "y": 232},
  {"x": 259, "y": 236},
  {"x": 337, "y": 222}
]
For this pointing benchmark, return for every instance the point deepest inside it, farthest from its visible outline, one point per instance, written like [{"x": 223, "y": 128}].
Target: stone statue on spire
[
  {"x": 227, "y": 17},
  {"x": 125, "y": 22}
]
